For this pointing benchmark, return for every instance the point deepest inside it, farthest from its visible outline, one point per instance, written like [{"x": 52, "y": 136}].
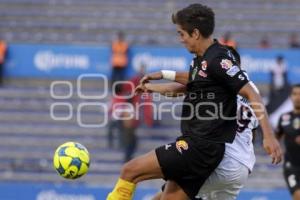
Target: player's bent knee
[
  {"x": 130, "y": 170},
  {"x": 127, "y": 172}
]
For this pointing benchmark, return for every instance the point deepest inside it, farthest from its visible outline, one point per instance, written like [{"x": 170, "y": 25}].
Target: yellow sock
[{"x": 124, "y": 190}]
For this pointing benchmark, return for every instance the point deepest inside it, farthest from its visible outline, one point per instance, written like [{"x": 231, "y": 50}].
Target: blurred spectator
[
  {"x": 228, "y": 40},
  {"x": 129, "y": 125},
  {"x": 146, "y": 111},
  {"x": 293, "y": 41},
  {"x": 279, "y": 74},
  {"x": 279, "y": 87},
  {"x": 132, "y": 118},
  {"x": 123, "y": 118},
  {"x": 114, "y": 123},
  {"x": 119, "y": 59},
  {"x": 3, "y": 48},
  {"x": 264, "y": 43}
]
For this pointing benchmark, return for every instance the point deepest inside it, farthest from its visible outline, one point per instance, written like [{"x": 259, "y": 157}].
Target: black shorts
[
  {"x": 291, "y": 176},
  {"x": 189, "y": 163}
]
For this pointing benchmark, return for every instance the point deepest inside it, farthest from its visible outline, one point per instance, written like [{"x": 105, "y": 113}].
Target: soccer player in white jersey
[{"x": 231, "y": 175}]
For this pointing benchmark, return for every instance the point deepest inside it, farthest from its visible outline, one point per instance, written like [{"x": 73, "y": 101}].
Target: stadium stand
[{"x": 145, "y": 22}]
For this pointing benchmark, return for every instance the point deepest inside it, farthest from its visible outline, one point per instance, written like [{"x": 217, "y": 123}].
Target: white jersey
[
  {"x": 231, "y": 175},
  {"x": 242, "y": 147}
]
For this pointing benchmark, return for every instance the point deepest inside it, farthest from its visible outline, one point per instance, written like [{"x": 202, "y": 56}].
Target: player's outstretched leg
[{"x": 142, "y": 168}]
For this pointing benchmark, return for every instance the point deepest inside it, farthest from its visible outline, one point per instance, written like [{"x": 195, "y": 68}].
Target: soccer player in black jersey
[
  {"x": 208, "y": 115},
  {"x": 289, "y": 129}
]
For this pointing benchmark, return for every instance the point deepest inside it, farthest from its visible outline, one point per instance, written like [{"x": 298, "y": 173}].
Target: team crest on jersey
[
  {"x": 296, "y": 123},
  {"x": 226, "y": 64},
  {"x": 182, "y": 145},
  {"x": 286, "y": 120},
  {"x": 204, "y": 65}
]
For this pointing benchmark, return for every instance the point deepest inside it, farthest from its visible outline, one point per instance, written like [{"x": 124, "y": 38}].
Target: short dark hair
[
  {"x": 196, "y": 16},
  {"x": 295, "y": 86}
]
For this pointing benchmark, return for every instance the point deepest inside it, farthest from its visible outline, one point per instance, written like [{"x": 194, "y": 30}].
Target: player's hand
[
  {"x": 141, "y": 88},
  {"x": 272, "y": 147},
  {"x": 153, "y": 76}
]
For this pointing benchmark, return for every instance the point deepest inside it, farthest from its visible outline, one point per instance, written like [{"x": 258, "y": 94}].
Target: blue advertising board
[
  {"x": 158, "y": 58},
  {"x": 53, "y": 61},
  {"x": 23, "y": 191},
  {"x": 59, "y": 61},
  {"x": 259, "y": 62}
]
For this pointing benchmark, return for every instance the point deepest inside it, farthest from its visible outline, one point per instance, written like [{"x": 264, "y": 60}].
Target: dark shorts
[
  {"x": 292, "y": 176},
  {"x": 189, "y": 163}
]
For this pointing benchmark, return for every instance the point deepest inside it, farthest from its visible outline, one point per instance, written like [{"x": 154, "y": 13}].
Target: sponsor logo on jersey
[
  {"x": 202, "y": 73},
  {"x": 204, "y": 65},
  {"x": 296, "y": 123},
  {"x": 286, "y": 120},
  {"x": 182, "y": 145},
  {"x": 226, "y": 64},
  {"x": 233, "y": 71}
]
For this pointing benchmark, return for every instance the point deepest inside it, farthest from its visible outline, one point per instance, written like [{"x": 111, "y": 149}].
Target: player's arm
[
  {"x": 180, "y": 77},
  {"x": 225, "y": 69},
  {"x": 166, "y": 89},
  {"x": 270, "y": 143}
]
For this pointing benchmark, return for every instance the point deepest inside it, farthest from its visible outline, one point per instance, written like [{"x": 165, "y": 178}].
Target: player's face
[
  {"x": 295, "y": 96},
  {"x": 187, "y": 40}
]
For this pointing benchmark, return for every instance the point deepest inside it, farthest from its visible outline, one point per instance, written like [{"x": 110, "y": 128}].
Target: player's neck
[{"x": 204, "y": 45}]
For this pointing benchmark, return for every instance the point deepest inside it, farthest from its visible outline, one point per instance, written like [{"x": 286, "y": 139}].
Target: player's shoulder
[
  {"x": 218, "y": 52},
  {"x": 223, "y": 50}
]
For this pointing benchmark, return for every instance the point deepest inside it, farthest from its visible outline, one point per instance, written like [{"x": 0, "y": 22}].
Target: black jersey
[
  {"x": 209, "y": 109},
  {"x": 289, "y": 126}
]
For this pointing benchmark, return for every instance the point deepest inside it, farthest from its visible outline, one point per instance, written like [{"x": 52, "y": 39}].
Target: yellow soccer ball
[{"x": 71, "y": 160}]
